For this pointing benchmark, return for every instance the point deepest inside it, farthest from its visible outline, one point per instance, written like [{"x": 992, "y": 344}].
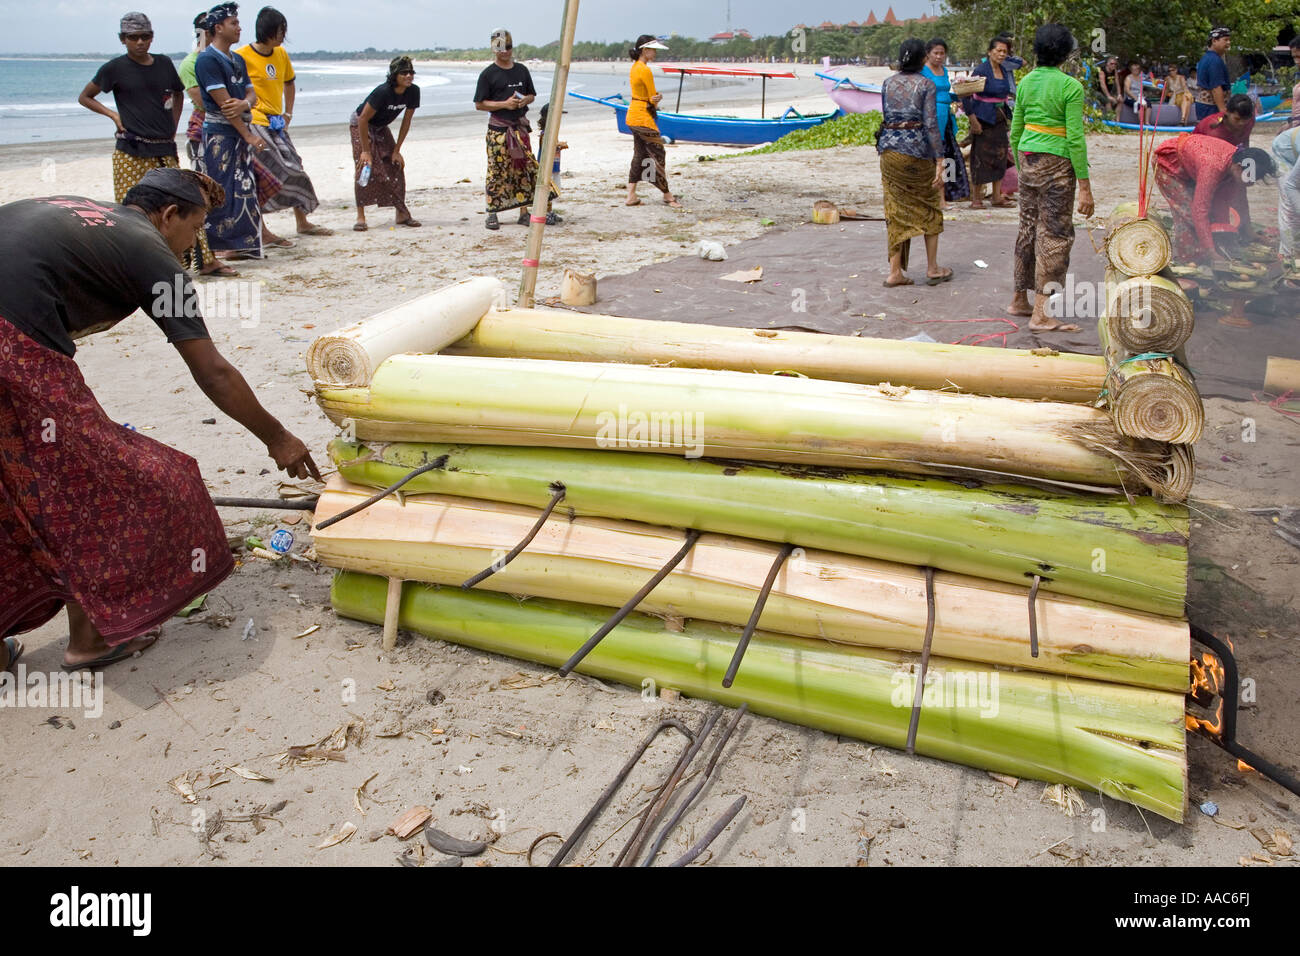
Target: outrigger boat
[
  {"x": 850, "y": 96},
  {"x": 717, "y": 130}
]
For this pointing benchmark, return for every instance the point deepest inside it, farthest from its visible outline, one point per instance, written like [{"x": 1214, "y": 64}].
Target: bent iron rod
[
  {"x": 627, "y": 856},
  {"x": 743, "y": 645},
  {"x": 708, "y": 774},
  {"x": 925, "y": 662},
  {"x": 274, "y": 504},
  {"x": 713, "y": 833},
  {"x": 378, "y": 496},
  {"x": 557, "y": 495},
  {"x": 608, "y": 793},
  {"x": 691, "y": 537}
]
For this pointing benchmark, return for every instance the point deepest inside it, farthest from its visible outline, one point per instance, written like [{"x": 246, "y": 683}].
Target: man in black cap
[
  {"x": 94, "y": 515},
  {"x": 1212, "y": 79}
]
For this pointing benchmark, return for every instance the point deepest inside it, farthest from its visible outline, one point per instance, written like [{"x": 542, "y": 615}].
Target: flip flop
[
  {"x": 121, "y": 652},
  {"x": 279, "y": 241},
  {"x": 359, "y": 227},
  {"x": 890, "y": 285},
  {"x": 15, "y": 648},
  {"x": 315, "y": 230},
  {"x": 222, "y": 272},
  {"x": 413, "y": 223},
  {"x": 936, "y": 280},
  {"x": 635, "y": 202}
]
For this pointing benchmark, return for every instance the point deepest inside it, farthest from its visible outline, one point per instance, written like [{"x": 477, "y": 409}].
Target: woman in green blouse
[{"x": 1051, "y": 153}]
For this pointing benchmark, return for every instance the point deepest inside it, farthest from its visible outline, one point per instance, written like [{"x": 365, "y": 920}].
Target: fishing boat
[
  {"x": 848, "y": 95},
  {"x": 716, "y": 130}
]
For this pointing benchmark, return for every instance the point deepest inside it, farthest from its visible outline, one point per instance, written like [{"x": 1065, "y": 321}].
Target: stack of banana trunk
[
  {"x": 940, "y": 547},
  {"x": 1147, "y": 321}
]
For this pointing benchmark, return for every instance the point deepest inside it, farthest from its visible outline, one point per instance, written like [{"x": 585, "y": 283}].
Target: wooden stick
[{"x": 391, "y": 608}]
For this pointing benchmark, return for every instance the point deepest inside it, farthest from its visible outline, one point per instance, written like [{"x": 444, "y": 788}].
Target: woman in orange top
[{"x": 649, "y": 164}]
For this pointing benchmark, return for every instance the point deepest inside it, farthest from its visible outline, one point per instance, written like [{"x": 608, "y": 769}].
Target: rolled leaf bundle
[
  {"x": 705, "y": 413},
  {"x": 578, "y": 337},
  {"x": 1147, "y": 313},
  {"x": 1138, "y": 246},
  {"x": 425, "y": 324},
  {"x": 1101, "y": 548},
  {"x": 1151, "y": 396},
  {"x": 841, "y": 598},
  {"x": 1125, "y": 742}
]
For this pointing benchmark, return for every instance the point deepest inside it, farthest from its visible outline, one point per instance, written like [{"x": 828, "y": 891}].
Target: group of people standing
[
  {"x": 920, "y": 165},
  {"x": 238, "y": 133}
]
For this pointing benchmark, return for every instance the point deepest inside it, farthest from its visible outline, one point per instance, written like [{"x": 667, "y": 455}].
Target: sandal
[
  {"x": 942, "y": 277},
  {"x": 1008, "y": 204},
  {"x": 15, "y": 649},
  {"x": 673, "y": 205},
  {"x": 279, "y": 241},
  {"x": 413, "y": 223},
  {"x": 889, "y": 285},
  {"x": 120, "y": 652},
  {"x": 634, "y": 202},
  {"x": 315, "y": 230},
  {"x": 221, "y": 272},
  {"x": 492, "y": 222},
  {"x": 359, "y": 227}
]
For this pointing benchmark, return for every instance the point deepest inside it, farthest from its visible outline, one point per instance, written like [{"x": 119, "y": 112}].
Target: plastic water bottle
[
  {"x": 364, "y": 179},
  {"x": 282, "y": 541}
]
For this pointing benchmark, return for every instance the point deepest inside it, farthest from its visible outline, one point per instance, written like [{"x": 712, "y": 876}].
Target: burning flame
[
  {"x": 1207, "y": 678},
  {"x": 1245, "y": 767}
]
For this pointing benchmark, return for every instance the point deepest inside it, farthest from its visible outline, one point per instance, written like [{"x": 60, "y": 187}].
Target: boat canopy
[{"x": 716, "y": 71}]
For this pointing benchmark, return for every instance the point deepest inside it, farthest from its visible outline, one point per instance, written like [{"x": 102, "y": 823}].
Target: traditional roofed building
[{"x": 890, "y": 18}]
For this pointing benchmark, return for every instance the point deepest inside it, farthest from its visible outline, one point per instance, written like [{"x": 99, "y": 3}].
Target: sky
[{"x": 82, "y": 26}]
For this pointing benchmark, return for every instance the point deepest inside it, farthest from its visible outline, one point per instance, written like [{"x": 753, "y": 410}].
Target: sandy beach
[{"x": 500, "y": 748}]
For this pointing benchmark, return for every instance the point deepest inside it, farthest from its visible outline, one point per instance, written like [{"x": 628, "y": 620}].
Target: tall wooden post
[{"x": 542, "y": 191}]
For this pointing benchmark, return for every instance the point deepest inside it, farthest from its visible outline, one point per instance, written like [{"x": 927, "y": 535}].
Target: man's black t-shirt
[
  {"x": 144, "y": 101},
  {"x": 497, "y": 84},
  {"x": 71, "y": 266},
  {"x": 388, "y": 103}
]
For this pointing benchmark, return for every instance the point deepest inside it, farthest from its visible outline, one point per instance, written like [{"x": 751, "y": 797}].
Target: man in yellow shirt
[{"x": 271, "y": 74}]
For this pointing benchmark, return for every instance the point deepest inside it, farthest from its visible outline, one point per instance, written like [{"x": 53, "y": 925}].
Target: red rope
[
  {"x": 977, "y": 338},
  {"x": 1277, "y": 403}
]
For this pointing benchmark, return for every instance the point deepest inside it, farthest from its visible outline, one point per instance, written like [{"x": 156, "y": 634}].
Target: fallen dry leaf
[
  {"x": 1282, "y": 843},
  {"x": 356, "y": 797},
  {"x": 182, "y": 786},
  {"x": 311, "y": 630},
  {"x": 1007, "y": 779},
  {"x": 386, "y": 684},
  {"x": 412, "y": 821},
  {"x": 248, "y": 774},
  {"x": 335, "y": 839}
]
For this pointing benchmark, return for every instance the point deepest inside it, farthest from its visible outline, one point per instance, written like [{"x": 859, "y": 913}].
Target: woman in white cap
[{"x": 649, "y": 163}]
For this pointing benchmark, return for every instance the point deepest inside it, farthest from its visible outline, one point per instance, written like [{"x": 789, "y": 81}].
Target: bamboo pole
[
  {"x": 542, "y": 189},
  {"x": 1126, "y": 742},
  {"x": 392, "y": 605},
  {"x": 821, "y": 594},
  {"x": 579, "y": 337},
  {"x": 1002, "y": 532}
]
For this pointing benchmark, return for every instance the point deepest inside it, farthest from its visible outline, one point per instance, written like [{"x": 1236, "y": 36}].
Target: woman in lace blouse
[{"x": 910, "y": 144}]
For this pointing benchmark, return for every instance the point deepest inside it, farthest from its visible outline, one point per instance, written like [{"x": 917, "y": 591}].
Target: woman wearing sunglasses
[{"x": 373, "y": 145}]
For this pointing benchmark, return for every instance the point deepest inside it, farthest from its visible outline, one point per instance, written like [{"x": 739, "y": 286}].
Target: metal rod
[
  {"x": 762, "y": 109},
  {"x": 713, "y": 833},
  {"x": 1227, "y": 736},
  {"x": 379, "y": 496},
  {"x": 628, "y": 855},
  {"x": 691, "y": 537},
  {"x": 608, "y": 793},
  {"x": 272, "y": 504},
  {"x": 743, "y": 645},
  {"x": 557, "y": 495},
  {"x": 681, "y": 79},
  {"x": 708, "y": 774},
  {"x": 1033, "y": 616},
  {"x": 925, "y": 662}
]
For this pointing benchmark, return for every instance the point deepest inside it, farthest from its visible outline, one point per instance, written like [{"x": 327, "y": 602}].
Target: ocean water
[{"x": 38, "y": 97}]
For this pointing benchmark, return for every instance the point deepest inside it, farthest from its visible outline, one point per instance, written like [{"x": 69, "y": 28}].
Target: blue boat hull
[{"x": 716, "y": 130}]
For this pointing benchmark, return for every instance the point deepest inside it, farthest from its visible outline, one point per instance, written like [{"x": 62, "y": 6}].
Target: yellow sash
[{"x": 1046, "y": 130}]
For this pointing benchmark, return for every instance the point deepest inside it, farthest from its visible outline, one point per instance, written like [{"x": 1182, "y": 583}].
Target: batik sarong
[
  {"x": 281, "y": 160},
  {"x": 236, "y": 226},
  {"x": 1042, "y": 256},
  {"x": 91, "y": 511}
]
